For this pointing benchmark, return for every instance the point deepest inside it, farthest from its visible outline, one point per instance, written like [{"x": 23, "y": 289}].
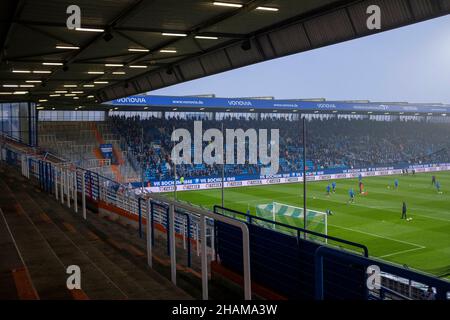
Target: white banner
[{"x": 319, "y": 177}]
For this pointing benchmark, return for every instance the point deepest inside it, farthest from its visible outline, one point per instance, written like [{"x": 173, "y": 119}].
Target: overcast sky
[{"x": 407, "y": 64}]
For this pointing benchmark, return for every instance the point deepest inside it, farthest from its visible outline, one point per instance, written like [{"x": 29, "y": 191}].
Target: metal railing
[
  {"x": 299, "y": 231},
  {"x": 71, "y": 184}
]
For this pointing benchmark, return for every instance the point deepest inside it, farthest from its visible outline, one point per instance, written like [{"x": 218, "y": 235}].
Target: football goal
[{"x": 293, "y": 216}]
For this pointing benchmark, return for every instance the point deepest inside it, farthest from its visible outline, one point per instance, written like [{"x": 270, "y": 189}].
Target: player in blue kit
[
  {"x": 328, "y": 189},
  {"x": 438, "y": 187},
  {"x": 351, "y": 193},
  {"x": 333, "y": 185},
  {"x": 396, "y": 184}
]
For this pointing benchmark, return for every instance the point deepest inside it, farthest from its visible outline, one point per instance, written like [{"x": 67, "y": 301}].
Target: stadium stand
[
  {"x": 79, "y": 142},
  {"x": 332, "y": 144}
]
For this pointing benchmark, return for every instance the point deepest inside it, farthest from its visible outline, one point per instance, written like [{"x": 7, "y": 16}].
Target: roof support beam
[
  {"x": 17, "y": 10},
  {"x": 45, "y": 33},
  {"x": 36, "y": 55},
  {"x": 129, "y": 29}
]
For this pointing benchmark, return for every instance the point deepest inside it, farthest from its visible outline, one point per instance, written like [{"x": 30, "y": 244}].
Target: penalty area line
[
  {"x": 378, "y": 236},
  {"x": 400, "y": 252}
]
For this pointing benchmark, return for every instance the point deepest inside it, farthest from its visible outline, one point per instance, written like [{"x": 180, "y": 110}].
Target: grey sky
[{"x": 407, "y": 64}]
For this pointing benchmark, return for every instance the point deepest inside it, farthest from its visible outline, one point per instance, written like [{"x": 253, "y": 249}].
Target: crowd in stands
[{"x": 331, "y": 143}]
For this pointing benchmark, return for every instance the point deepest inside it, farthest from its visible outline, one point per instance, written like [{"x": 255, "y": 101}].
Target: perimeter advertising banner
[
  {"x": 243, "y": 181},
  {"x": 230, "y": 103}
]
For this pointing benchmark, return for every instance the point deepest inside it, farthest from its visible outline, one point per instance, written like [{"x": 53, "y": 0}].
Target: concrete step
[
  {"x": 95, "y": 281},
  {"x": 99, "y": 247},
  {"x": 46, "y": 270},
  {"x": 106, "y": 274},
  {"x": 15, "y": 281}
]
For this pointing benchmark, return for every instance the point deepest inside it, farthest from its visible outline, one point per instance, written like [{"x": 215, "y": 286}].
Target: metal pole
[
  {"x": 173, "y": 259},
  {"x": 409, "y": 288},
  {"x": 213, "y": 243},
  {"x": 27, "y": 169},
  {"x": 22, "y": 163},
  {"x": 304, "y": 173},
  {"x": 174, "y": 174},
  {"x": 183, "y": 227},
  {"x": 197, "y": 232},
  {"x": 49, "y": 178},
  {"x": 149, "y": 235},
  {"x": 56, "y": 183},
  {"x": 223, "y": 174},
  {"x": 142, "y": 160},
  {"x": 40, "y": 174},
  {"x": 204, "y": 259},
  {"x": 175, "y": 181},
  {"x": 247, "y": 269},
  {"x": 45, "y": 171},
  {"x": 83, "y": 194},
  {"x": 68, "y": 187},
  {"x": 140, "y": 216},
  {"x": 75, "y": 191},
  {"x": 189, "y": 253},
  {"x": 62, "y": 185}
]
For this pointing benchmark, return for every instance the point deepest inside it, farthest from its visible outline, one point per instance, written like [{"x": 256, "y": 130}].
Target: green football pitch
[{"x": 374, "y": 219}]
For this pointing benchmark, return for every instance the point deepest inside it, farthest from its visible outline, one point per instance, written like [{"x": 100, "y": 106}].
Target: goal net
[{"x": 293, "y": 216}]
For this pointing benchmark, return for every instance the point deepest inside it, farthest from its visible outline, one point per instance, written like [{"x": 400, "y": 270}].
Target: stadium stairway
[
  {"x": 40, "y": 238},
  {"x": 117, "y": 154}
]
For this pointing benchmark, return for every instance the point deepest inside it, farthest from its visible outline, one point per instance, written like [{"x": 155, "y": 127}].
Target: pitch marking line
[
  {"x": 418, "y": 246},
  {"x": 400, "y": 252}
]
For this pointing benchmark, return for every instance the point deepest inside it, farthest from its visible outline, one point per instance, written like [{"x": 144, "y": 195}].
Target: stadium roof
[
  {"x": 264, "y": 105},
  {"x": 167, "y": 103},
  {"x": 138, "y": 46}
]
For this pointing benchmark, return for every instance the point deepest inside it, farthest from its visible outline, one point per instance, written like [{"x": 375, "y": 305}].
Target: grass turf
[{"x": 373, "y": 220}]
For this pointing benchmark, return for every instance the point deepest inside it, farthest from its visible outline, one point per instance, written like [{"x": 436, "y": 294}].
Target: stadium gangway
[
  {"x": 250, "y": 218},
  {"x": 442, "y": 287}
]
